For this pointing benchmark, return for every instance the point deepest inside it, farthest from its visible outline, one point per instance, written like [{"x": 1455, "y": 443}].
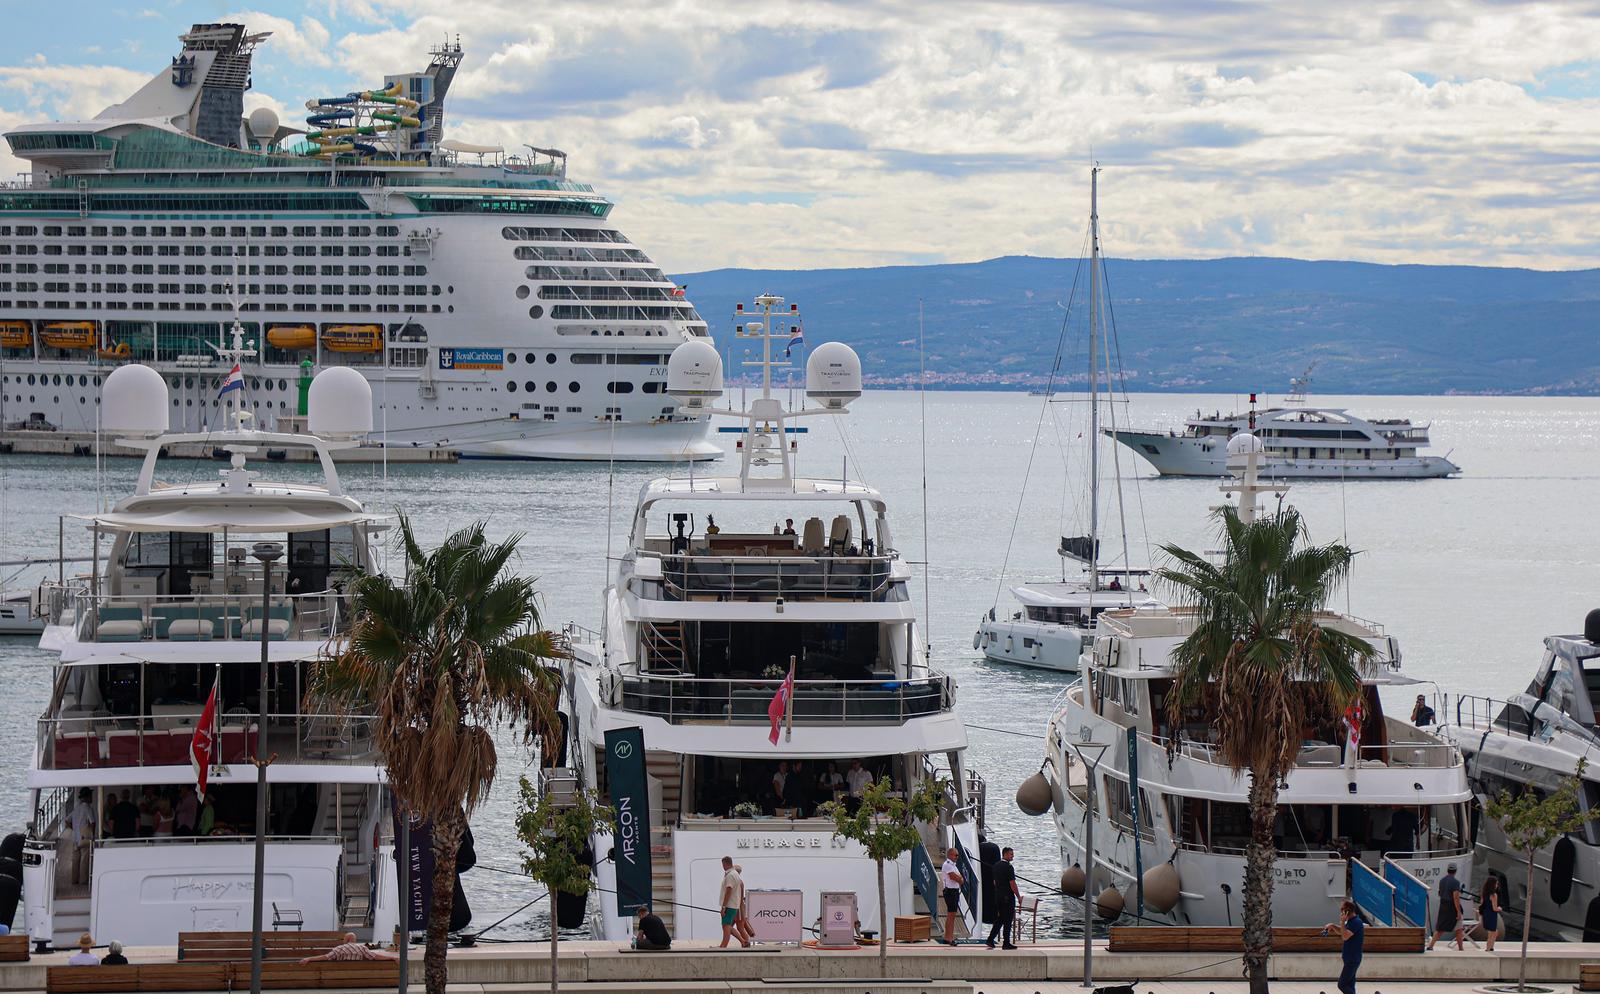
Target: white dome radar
[
  {"x": 263, "y": 123},
  {"x": 133, "y": 402},
  {"x": 1243, "y": 444},
  {"x": 833, "y": 375},
  {"x": 694, "y": 373},
  {"x": 340, "y": 404}
]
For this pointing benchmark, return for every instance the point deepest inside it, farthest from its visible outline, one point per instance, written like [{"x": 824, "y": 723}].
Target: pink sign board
[{"x": 775, "y": 915}]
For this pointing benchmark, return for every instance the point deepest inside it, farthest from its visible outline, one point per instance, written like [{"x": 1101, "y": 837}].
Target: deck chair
[
  {"x": 278, "y": 620},
  {"x": 839, "y": 535},
  {"x": 119, "y": 624},
  {"x": 811, "y": 537}
]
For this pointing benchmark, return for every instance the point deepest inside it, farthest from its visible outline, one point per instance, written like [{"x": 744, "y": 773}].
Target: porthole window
[
  {"x": 573, "y": 387},
  {"x": 56, "y": 380},
  {"x": 30, "y": 379},
  {"x": 511, "y": 357},
  {"x": 549, "y": 387},
  {"x": 549, "y": 357},
  {"x": 620, "y": 386},
  {"x": 83, "y": 381},
  {"x": 530, "y": 386},
  {"x": 522, "y": 292},
  {"x": 511, "y": 386},
  {"x": 536, "y": 311},
  {"x": 283, "y": 384},
  {"x": 530, "y": 358},
  {"x": 188, "y": 381}
]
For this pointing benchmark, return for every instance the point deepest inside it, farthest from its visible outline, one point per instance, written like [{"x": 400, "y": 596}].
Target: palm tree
[
  {"x": 440, "y": 659},
  {"x": 1258, "y": 646}
]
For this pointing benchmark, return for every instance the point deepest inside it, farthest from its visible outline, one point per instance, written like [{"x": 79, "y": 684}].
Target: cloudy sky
[{"x": 813, "y": 134}]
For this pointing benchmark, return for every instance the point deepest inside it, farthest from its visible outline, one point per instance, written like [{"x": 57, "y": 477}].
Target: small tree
[
  {"x": 1532, "y": 823},
  {"x": 557, "y": 836},
  {"x": 886, "y": 827}
]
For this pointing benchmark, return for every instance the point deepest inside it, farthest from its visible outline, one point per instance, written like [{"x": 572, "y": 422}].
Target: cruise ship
[
  {"x": 716, "y": 608},
  {"x": 183, "y": 592},
  {"x": 490, "y": 301}
]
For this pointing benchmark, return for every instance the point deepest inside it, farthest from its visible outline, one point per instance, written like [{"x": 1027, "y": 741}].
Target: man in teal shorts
[{"x": 732, "y": 900}]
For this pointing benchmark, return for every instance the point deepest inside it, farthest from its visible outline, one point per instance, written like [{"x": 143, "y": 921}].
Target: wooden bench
[
  {"x": 219, "y": 977},
  {"x": 1199, "y": 939},
  {"x": 1589, "y": 976},
  {"x": 13, "y": 948},
  {"x": 235, "y": 946}
]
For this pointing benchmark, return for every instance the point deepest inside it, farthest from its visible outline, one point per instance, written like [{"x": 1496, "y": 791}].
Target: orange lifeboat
[
  {"x": 69, "y": 335},
  {"x": 117, "y": 352},
  {"x": 16, "y": 335},
  {"x": 294, "y": 337},
  {"x": 353, "y": 338}
]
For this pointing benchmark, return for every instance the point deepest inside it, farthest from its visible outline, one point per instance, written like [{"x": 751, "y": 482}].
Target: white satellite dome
[
  {"x": 1243, "y": 443},
  {"x": 263, "y": 122},
  {"x": 833, "y": 375},
  {"x": 134, "y": 403},
  {"x": 694, "y": 373},
  {"x": 340, "y": 404}
]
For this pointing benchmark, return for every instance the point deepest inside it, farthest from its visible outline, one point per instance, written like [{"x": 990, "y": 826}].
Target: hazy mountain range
[{"x": 1225, "y": 325}]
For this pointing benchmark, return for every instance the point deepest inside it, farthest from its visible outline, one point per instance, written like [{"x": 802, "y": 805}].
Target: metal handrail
[
  {"x": 1493, "y": 715},
  {"x": 708, "y": 699},
  {"x": 302, "y": 734},
  {"x": 795, "y": 577},
  {"x": 1205, "y": 752},
  {"x": 313, "y": 614}
]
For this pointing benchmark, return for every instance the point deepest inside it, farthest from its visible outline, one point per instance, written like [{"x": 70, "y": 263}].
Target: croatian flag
[
  {"x": 797, "y": 336},
  {"x": 779, "y": 707},
  {"x": 233, "y": 381}
]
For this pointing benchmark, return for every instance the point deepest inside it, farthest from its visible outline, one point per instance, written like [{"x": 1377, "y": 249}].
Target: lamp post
[
  {"x": 266, "y": 553},
  {"x": 1090, "y": 806}
]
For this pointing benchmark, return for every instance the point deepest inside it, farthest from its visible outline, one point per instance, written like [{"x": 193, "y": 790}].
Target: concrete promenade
[{"x": 696, "y": 968}]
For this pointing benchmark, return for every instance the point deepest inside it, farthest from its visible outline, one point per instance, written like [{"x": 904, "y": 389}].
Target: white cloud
[
  {"x": 306, "y": 42},
  {"x": 63, "y": 92}
]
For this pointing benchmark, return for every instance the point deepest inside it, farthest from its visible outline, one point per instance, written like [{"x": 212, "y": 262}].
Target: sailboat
[{"x": 1054, "y": 620}]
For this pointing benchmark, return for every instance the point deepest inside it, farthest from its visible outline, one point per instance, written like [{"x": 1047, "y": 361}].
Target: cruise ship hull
[{"x": 1176, "y": 455}]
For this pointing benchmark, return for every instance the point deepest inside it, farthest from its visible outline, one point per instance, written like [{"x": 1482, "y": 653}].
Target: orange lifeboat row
[
  {"x": 16, "y": 335},
  {"x": 353, "y": 338},
  {"x": 293, "y": 337},
  {"x": 74, "y": 335}
]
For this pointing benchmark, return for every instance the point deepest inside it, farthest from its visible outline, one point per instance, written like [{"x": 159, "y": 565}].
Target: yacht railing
[
  {"x": 163, "y": 737},
  {"x": 1489, "y": 713},
  {"x": 859, "y": 578},
  {"x": 211, "y": 617},
  {"x": 816, "y": 702},
  {"x": 1330, "y": 755}
]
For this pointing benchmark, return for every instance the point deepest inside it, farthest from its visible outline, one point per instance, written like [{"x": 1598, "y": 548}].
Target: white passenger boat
[
  {"x": 1301, "y": 442},
  {"x": 490, "y": 300},
  {"x": 1405, "y": 795},
  {"x": 712, "y": 603},
  {"x": 1534, "y": 741},
  {"x": 179, "y": 610},
  {"x": 1054, "y": 620}
]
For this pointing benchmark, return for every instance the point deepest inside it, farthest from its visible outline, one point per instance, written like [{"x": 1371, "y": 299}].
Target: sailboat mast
[{"x": 1094, "y": 378}]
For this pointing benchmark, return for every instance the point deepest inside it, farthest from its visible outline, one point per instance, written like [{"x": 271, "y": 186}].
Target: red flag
[
  {"x": 780, "y": 705},
  {"x": 203, "y": 746}
]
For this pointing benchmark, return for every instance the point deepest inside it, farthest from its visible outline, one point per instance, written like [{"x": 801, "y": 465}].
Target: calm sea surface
[{"x": 1469, "y": 573}]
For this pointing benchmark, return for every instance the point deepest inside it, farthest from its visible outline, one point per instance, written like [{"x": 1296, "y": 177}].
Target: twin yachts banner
[{"x": 630, "y": 797}]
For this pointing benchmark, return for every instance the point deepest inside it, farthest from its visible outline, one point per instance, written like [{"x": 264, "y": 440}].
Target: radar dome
[
  {"x": 833, "y": 375},
  {"x": 263, "y": 122},
  {"x": 1243, "y": 443},
  {"x": 694, "y": 373},
  {"x": 133, "y": 402},
  {"x": 340, "y": 404}
]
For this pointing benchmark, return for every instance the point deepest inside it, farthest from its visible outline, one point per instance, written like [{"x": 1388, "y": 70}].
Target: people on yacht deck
[
  {"x": 147, "y": 813},
  {"x": 164, "y": 823},
  {"x": 1422, "y": 715},
  {"x": 832, "y": 781},
  {"x": 780, "y": 783},
  {"x": 788, "y": 526},
  {"x": 82, "y": 822},
  {"x": 187, "y": 814},
  {"x": 208, "y": 819},
  {"x": 122, "y": 821},
  {"x": 798, "y": 789}
]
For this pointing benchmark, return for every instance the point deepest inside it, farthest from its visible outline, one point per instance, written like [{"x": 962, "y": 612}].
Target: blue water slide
[
  {"x": 364, "y": 149},
  {"x": 330, "y": 117}
]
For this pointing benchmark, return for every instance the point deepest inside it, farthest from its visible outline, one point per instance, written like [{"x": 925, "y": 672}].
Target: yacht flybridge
[
  {"x": 1158, "y": 800},
  {"x": 729, "y": 586},
  {"x": 1534, "y": 741},
  {"x": 175, "y": 610}
]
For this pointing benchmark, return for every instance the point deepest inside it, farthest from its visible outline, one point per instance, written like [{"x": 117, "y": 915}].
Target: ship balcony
[
  {"x": 758, "y": 574},
  {"x": 210, "y": 617},
  {"x": 702, "y": 700},
  {"x": 101, "y": 739}
]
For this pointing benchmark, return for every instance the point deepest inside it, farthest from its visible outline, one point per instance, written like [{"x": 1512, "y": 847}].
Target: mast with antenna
[{"x": 1094, "y": 378}]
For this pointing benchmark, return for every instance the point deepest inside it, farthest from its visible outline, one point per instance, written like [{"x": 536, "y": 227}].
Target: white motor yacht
[
  {"x": 1160, "y": 794},
  {"x": 1055, "y": 619},
  {"x": 1534, "y": 741},
  {"x": 713, "y": 606},
  {"x": 175, "y": 610}
]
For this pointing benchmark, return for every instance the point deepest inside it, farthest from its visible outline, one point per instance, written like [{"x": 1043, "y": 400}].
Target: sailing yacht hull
[
  {"x": 1031, "y": 643},
  {"x": 1174, "y": 455}
]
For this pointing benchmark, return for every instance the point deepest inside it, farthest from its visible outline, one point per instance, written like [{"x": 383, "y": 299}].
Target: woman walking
[
  {"x": 1489, "y": 911},
  {"x": 1353, "y": 931}
]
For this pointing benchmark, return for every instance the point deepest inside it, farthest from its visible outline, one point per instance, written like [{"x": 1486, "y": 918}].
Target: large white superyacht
[
  {"x": 1532, "y": 742},
  {"x": 175, "y": 610},
  {"x": 1162, "y": 798},
  {"x": 714, "y": 604},
  {"x": 489, "y": 300},
  {"x": 1301, "y": 442}
]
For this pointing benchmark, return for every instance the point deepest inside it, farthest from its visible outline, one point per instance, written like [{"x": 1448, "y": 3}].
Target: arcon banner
[{"x": 630, "y": 797}]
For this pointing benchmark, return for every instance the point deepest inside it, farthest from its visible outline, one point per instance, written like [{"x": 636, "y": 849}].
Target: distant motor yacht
[
  {"x": 1534, "y": 741},
  {"x": 1302, "y": 442}
]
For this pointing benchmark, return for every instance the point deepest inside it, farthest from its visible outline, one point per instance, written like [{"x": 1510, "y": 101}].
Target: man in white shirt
[
  {"x": 856, "y": 779},
  {"x": 732, "y": 900},
  {"x": 82, "y": 822},
  {"x": 951, "y": 879}
]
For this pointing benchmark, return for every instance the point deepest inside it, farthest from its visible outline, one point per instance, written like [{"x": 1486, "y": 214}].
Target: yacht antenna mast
[
  {"x": 231, "y": 389},
  {"x": 1094, "y": 379}
]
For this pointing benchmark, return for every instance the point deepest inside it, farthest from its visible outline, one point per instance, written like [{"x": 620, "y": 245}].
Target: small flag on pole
[
  {"x": 203, "y": 746},
  {"x": 797, "y": 336},
  {"x": 778, "y": 709},
  {"x": 233, "y": 381}
]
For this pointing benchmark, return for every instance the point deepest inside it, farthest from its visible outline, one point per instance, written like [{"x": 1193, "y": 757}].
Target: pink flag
[{"x": 780, "y": 704}]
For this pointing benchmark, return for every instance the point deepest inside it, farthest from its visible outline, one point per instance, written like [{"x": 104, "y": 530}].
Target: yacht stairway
[{"x": 664, "y": 768}]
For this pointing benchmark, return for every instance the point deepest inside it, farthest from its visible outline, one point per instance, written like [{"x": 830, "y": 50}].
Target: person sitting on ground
[
  {"x": 348, "y": 951},
  {"x": 84, "y": 956},
  {"x": 114, "y": 957},
  {"x": 650, "y": 933}
]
